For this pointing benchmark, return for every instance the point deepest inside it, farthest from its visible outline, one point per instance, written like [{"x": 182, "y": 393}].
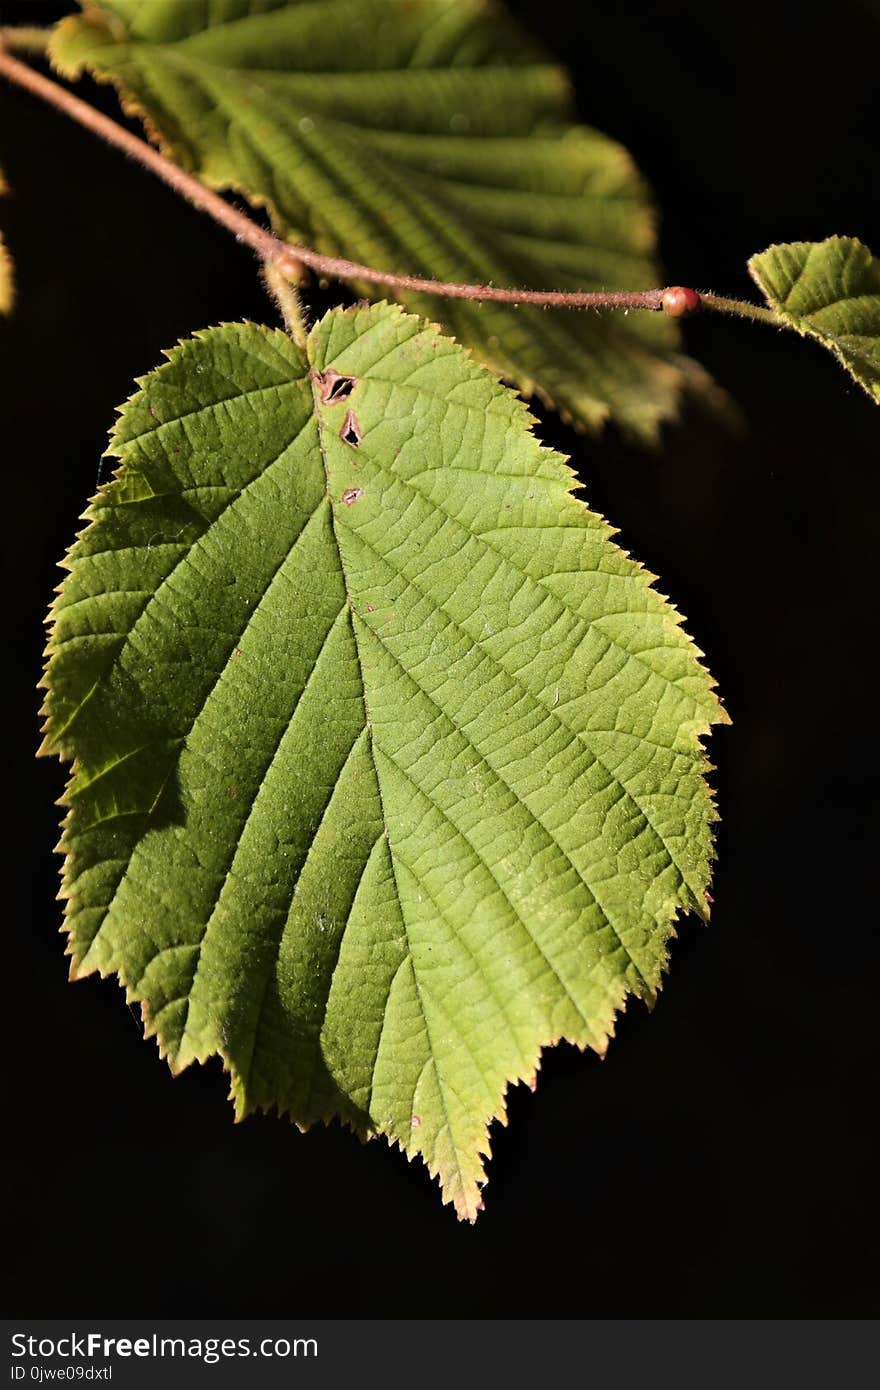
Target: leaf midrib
[{"x": 441, "y": 1084}]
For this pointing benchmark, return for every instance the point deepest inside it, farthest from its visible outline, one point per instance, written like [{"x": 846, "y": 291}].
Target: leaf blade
[
  {"x": 391, "y": 774},
  {"x": 830, "y": 291}
]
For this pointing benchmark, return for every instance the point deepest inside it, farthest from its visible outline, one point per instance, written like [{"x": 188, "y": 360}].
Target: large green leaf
[
  {"x": 421, "y": 136},
  {"x": 387, "y": 764},
  {"x": 829, "y": 290}
]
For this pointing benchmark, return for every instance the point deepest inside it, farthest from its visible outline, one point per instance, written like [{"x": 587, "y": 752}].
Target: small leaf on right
[{"x": 828, "y": 290}]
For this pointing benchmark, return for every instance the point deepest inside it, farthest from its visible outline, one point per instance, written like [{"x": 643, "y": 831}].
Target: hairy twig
[
  {"x": 741, "y": 309},
  {"x": 289, "y": 258}
]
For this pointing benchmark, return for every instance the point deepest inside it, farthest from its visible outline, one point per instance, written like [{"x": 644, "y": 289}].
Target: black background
[{"x": 721, "y": 1161}]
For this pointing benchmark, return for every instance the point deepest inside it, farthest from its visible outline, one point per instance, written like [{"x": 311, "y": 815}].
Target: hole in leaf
[
  {"x": 351, "y": 430},
  {"x": 334, "y": 388}
]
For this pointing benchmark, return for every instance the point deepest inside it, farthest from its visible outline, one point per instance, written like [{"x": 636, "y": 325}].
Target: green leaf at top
[
  {"x": 828, "y": 290},
  {"x": 387, "y": 769},
  {"x": 421, "y": 136}
]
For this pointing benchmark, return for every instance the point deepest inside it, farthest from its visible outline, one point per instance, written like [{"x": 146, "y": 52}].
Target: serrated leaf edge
[{"x": 467, "y": 1203}]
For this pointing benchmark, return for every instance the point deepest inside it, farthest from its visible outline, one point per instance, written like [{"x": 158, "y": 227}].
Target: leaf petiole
[{"x": 25, "y": 38}]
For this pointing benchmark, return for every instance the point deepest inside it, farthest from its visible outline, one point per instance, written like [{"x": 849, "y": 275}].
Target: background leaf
[
  {"x": 386, "y": 759},
  {"x": 829, "y": 290},
  {"x": 426, "y": 136},
  {"x": 7, "y": 281}
]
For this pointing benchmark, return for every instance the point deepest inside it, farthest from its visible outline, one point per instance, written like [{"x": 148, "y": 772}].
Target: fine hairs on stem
[
  {"x": 287, "y": 259},
  {"x": 286, "y": 297}
]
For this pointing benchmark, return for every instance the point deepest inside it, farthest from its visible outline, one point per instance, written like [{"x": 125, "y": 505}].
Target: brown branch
[
  {"x": 289, "y": 258},
  {"x": 272, "y": 248},
  {"x": 195, "y": 192}
]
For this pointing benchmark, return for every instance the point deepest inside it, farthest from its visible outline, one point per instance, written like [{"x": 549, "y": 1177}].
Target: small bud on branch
[{"x": 677, "y": 301}]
